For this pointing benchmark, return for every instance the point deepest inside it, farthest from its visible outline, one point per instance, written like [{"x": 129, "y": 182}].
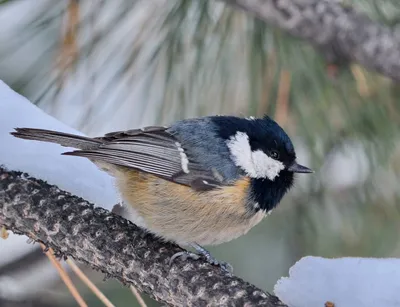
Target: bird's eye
[{"x": 274, "y": 154}]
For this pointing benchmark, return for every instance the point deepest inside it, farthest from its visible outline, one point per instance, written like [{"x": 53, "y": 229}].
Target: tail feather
[{"x": 61, "y": 138}]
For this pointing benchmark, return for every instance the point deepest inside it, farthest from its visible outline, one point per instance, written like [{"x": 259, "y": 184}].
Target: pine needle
[
  {"x": 68, "y": 52},
  {"x": 69, "y": 47},
  {"x": 361, "y": 80},
  {"x": 268, "y": 81},
  {"x": 282, "y": 102}
]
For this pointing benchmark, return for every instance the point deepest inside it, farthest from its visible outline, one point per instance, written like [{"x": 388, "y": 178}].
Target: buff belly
[{"x": 178, "y": 213}]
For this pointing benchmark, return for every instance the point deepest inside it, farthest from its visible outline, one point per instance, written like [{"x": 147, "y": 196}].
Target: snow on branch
[
  {"x": 345, "y": 282},
  {"x": 107, "y": 242},
  {"x": 339, "y": 30}
]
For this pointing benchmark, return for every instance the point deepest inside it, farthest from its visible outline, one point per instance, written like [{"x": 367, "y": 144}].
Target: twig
[
  {"x": 3, "y": 233},
  {"x": 64, "y": 276},
  {"x": 89, "y": 283},
  {"x": 138, "y": 296}
]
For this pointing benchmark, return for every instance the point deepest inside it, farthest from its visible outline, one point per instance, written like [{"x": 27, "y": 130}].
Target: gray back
[{"x": 199, "y": 139}]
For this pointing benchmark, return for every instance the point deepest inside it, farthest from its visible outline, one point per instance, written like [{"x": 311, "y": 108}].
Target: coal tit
[{"x": 201, "y": 181}]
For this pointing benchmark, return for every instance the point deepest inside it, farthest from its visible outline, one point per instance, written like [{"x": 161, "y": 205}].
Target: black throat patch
[{"x": 269, "y": 193}]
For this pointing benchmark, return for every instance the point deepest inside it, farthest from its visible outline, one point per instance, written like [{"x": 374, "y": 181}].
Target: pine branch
[
  {"x": 109, "y": 243},
  {"x": 340, "y": 31}
]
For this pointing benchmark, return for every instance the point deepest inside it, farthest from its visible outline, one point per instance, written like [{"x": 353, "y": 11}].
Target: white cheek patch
[
  {"x": 265, "y": 166},
  {"x": 255, "y": 163},
  {"x": 241, "y": 152}
]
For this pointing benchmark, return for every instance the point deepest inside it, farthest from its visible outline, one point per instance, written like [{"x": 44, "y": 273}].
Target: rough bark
[
  {"x": 109, "y": 243},
  {"x": 340, "y": 31}
]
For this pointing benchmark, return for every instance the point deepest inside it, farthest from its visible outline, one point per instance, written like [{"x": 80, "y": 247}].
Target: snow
[
  {"x": 44, "y": 161},
  {"x": 346, "y": 282}
]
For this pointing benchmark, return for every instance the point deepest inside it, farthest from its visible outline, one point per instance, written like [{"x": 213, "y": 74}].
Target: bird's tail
[{"x": 64, "y": 139}]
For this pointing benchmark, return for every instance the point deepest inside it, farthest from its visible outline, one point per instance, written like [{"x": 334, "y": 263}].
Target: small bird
[{"x": 200, "y": 181}]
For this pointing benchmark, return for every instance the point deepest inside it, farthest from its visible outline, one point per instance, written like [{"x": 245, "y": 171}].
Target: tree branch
[
  {"x": 115, "y": 246},
  {"x": 342, "y": 33}
]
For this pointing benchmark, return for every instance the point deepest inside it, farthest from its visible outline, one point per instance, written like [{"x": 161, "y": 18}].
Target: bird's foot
[
  {"x": 225, "y": 266},
  {"x": 184, "y": 256}
]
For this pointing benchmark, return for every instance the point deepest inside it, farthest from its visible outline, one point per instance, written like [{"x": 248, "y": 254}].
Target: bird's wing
[{"x": 155, "y": 151}]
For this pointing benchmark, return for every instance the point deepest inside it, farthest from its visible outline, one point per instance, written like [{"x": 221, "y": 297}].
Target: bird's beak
[{"x": 297, "y": 168}]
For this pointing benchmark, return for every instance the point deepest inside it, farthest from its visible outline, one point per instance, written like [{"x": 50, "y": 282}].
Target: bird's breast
[{"x": 178, "y": 213}]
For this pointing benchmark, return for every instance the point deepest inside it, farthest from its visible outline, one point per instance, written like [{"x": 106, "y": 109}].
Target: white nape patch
[
  {"x": 255, "y": 163},
  {"x": 184, "y": 159},
  {"x": 250, "y": 118}
]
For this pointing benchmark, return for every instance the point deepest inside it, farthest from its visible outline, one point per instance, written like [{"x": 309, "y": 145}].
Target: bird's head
[{"x": 260, "y": 147}]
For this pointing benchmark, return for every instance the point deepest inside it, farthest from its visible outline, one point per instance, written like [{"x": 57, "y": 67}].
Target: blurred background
[{"x": 110, "y": 65}]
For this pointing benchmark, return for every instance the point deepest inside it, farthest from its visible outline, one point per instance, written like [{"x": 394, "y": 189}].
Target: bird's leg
[{"x": 206, "y": 254}]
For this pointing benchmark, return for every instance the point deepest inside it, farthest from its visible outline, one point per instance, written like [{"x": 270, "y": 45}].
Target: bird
[{"x": 198, "y": 182}]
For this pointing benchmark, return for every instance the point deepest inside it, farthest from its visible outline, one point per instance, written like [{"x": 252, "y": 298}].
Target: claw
[
  {"x": 184, "y": 255},
  {"x": 225, "y": 266}
]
